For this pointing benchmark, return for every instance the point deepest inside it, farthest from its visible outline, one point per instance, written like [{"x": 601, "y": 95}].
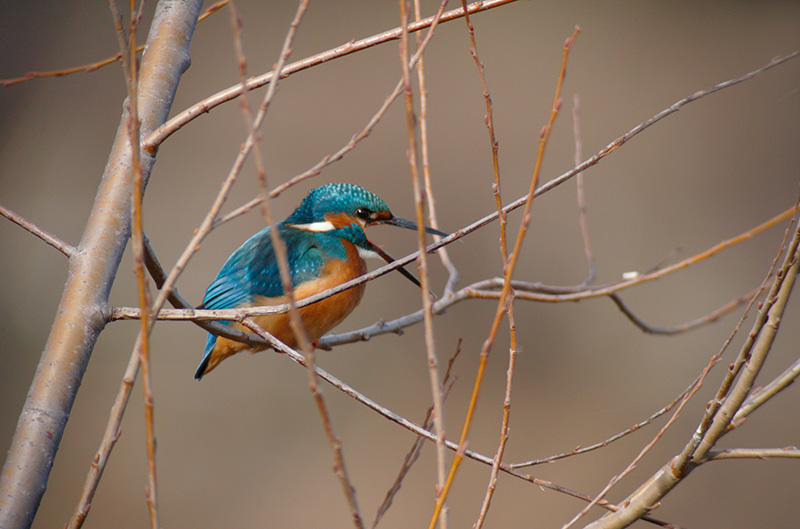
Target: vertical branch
[
  {"x": 430, "y": 201},
  {"x": 502, "y": 305},
  {"x": 130, "y": 68},
  {"x": 587, "y": 246},
  {"x": 295, "y": 321},
  {"x": 430, "y": 345},
  {"x": 512, "y": 351},
  {"x": 82, "y": 312},
  {"x": 416, "y": 447}
]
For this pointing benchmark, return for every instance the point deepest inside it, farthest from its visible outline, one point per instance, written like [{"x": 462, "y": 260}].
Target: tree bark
[{"x": 83, "y": 311}]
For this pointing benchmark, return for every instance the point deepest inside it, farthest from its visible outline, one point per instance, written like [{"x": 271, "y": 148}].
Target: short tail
[{"x": 201, "y": 369}]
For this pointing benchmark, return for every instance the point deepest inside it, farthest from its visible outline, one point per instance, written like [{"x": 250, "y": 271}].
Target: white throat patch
[{"x": 367, "y": 254}]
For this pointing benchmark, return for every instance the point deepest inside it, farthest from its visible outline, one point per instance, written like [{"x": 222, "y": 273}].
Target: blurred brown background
[{"x": 244, "y": 447}]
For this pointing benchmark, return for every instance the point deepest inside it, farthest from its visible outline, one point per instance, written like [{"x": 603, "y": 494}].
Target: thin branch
[
  {"x": 347, "y": 48},
  {"x": 711, "y": 317},
  {"x": 91, "y": 67},
  {"x": 430, "y": 343},
  {"x": 778, "y": 384},
  {"x": 32, "y": 228},
  {"x": 512, "y": 351},
  {"x": 416, "y": 447},
  {"x": 522, "y": 289},
  {"x": 502, "y": 305},
  {"x": 636, "y": 427},
  {"x": 130, "y": 67},
  {"x": 753, "y": 453},
  {"x": 587, "y": 245}
]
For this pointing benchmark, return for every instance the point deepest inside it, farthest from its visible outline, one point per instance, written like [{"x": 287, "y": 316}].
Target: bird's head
[
  {"x": 347, "y": 209},
  {"x": 342, "y": 206}
]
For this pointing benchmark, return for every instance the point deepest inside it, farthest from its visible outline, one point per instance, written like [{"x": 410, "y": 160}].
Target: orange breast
[{"x": 318, "y": 318}]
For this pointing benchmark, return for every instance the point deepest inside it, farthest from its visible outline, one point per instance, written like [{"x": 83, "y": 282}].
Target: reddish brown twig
[
  {"x": 430, "y": 344},
  {"x": 413, "y": 454},
  {"x": 512, "y": 351},
  {"x": 502, "y": 306},
  {"x": 347, "y": 48},
  {"x": 130, "y": 67}
]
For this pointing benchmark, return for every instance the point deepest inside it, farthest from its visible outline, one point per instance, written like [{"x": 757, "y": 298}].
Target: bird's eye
[{"x": 363, "y": 213}]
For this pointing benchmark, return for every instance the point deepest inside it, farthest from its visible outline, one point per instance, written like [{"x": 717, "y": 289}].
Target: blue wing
[{"x": 252, "y": 272}]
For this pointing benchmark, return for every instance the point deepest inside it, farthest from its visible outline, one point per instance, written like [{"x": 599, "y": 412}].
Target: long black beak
[
  {"x": 389, "y": 259},
  {"x": 404, "y": 223},
  {"x": 409, "y": 225}
]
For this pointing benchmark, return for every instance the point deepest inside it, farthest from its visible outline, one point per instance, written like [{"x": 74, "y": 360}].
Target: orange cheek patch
[{"x": 340, "y": 220}]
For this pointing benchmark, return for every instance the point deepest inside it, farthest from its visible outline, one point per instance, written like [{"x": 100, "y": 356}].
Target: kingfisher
[{"x": 326, "y": 246}]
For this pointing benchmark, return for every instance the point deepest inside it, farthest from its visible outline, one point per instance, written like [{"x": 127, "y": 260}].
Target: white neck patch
[{"x": 316, "y": 226}]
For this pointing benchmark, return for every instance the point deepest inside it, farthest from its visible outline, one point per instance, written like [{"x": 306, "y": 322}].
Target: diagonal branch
[
  {"x": 204, "y": 106},
  {"x": 49, "y": 238},
  {"x": 715, "y": 425}
]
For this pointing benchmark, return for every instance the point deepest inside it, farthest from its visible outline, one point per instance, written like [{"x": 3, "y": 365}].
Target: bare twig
[
  {"x": 91, "y": 67},
  {"x": 753, "y": 453},
  {"x": 512, "y": 351},
  {"x": 761, "y": 396},
  {"x": 615, "y": 437},
  {"x": 416, "y": 447},
  {"x": 430, "y": 344},
  {"x": 130, "y": 67},
  {"x": 713, "y": 426},
  {"x": 587, "y": 246},
  {"x": 712, "y": 316},
  {"x": 29, "y": 226},
  {"x": 522, "y": 289},
  {"x": 347, "y": 48},
  {"x": 502, "y": 305}
]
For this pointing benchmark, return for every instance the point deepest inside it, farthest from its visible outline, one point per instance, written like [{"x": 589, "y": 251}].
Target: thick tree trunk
[{"x": 82, "y": 313}]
